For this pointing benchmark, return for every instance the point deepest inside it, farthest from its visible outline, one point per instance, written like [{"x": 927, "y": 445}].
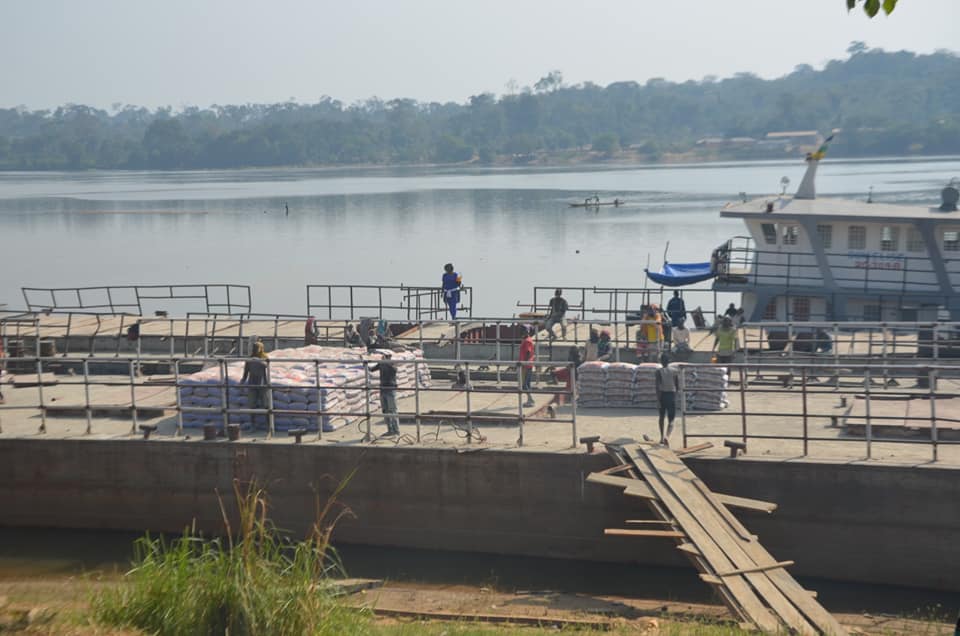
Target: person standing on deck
[
  {"x": 677, "y": 310},
  {"x": 726, "y": 341},
  {"x": 388, "y": 393},
  {"x": 558, "y": 311},
  {"x": 451, "y": 284},
  {"x": 668, "y": 385},
  {"x": 255, "y": 375},
  {"x": 310, "y": 331},
  {"x": 527, "y": 355}
]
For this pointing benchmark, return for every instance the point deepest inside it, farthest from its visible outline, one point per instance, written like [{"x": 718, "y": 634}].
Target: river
[{"x": 506, "y": 230}]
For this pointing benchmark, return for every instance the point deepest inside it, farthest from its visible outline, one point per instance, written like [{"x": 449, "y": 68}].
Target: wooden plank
[
  {"x": 634, "y": 487},
  {"x": 613, "y": 470},
  {"x": 693, "y": 449},
  {"x": 759, "y": 568},
  {"x": 745, "y": 503},
  {"x": 689, "y": 548},
  {"x": 656, "y": 522},
  {"x": 681, "y": 476},
  {"x": 725, "y": 514},
  {"x": 709, "y": 531},
  {"x": 667, "y": 534},
  {"x": 752, "y": 606},
  {"x": 22, "y": 380},
  {"x": 696, "y": 558}
]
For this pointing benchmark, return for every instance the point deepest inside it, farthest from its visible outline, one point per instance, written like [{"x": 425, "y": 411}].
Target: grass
[{"x": 253, "y": 581}]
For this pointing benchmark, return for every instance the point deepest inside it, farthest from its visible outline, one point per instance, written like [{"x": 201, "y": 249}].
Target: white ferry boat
[{"x": 809, "y": 258}]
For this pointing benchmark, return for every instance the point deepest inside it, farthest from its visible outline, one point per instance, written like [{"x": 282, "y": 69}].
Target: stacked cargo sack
[
  {"x": 705, "y": 388},
  {"x": 645, "y": 385},
  {"x": 618, "y": 391},
  {"x": 301, "y": 387},
  {"x": 591, "y": 383}
]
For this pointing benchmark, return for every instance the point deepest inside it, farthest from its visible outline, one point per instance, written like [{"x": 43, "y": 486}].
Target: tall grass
[{"x": 254, "y": 580}]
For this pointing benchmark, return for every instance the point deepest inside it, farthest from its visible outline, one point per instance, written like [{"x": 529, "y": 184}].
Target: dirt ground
[{"x": 60, "y": 605}]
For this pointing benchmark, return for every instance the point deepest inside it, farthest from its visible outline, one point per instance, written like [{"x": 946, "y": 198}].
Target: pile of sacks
[
  {"x": 313, "y": 394},
  {"x": 706, "y": 388},
  {"x": 619, "y": 384},
  {"x": 592, "y": 383}
]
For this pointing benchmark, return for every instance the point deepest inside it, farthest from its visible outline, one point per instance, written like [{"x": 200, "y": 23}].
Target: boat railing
[
  {"x": 881, "y": 272},
  {"x": 130, "y": 299},
  {"x": 406, "y": 302}
]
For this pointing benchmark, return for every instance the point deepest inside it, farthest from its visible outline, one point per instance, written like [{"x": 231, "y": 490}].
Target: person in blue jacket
[{"x": 451, "y": 289}]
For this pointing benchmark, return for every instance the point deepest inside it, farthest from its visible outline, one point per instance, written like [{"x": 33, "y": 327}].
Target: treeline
[{"x": 886, "y": 103}]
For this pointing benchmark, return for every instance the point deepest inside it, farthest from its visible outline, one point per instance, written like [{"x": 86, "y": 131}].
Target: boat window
[
  {"x": 790, "y": 234},
  {"x": 915, "y": 241},
  {"x": 857, "y": 237},
  {"x": 889, "y": 238},
  {"x": 951, "y": 241},
  {"x": 801, "y": 308},
  {"x": 769, "y": 233},
  {"x": 825, "y": 233}
]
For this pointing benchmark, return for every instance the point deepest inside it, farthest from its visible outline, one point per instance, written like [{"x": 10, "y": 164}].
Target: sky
[{"x": 201, "y": 52}]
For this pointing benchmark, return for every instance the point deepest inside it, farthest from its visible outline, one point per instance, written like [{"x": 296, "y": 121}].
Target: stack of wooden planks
[{"x": 755, "y": 587}]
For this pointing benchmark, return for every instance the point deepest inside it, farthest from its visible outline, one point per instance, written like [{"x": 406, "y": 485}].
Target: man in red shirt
[{"x": 527, "y": 354}]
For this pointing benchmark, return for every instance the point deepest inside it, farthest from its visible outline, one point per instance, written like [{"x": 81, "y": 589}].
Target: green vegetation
[
  {"x": 886, "y": 103},
  {"x": 256, "y": 581},
  {"x": 872, "y": 7}
]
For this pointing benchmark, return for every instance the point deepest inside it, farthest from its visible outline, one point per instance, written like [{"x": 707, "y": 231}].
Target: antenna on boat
[
  {"x": 784, "y": 182},
  {"x": 665, "y": 252},
  {"x": 870, "y": 195}
]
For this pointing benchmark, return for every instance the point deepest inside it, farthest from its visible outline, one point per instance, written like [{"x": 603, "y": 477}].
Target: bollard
[
  {"x": 297, "y": 434},
  {"x": 147, "y": 429}
]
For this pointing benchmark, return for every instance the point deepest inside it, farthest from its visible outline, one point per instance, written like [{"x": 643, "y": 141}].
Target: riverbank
[{"x": 61, "y": 605}]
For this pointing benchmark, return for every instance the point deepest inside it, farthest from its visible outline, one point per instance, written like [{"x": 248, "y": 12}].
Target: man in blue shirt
[{"x": 451, "y": 289}]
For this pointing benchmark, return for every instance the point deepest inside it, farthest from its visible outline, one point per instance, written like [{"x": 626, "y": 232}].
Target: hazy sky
[{"x": 201, "y": 52}]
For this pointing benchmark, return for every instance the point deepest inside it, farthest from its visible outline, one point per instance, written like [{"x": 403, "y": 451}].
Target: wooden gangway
[{"x": 755, "y": 587}]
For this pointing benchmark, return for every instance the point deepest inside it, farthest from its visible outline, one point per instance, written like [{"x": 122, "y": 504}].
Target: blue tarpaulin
[{"x": 680, "y": 274}]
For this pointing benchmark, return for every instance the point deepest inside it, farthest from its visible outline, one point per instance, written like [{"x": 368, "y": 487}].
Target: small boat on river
[{"x": 596, "y": 203}]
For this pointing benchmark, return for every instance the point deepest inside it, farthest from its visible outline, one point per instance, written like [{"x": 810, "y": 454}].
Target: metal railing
[
  {"x": 465, "y": 422},
  {"x": 129, "y": 299},
  {"x": 890, "y": 272},
  {"x": 619, "y": 303},
  {"x": 827, "y": 403},
  {"x": 403, "y": 302}
]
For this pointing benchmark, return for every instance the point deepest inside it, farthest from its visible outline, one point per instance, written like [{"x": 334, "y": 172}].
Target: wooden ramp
[{"x": 755, "y": 587}]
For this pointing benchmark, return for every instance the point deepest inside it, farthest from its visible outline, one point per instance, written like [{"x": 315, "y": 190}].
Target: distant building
[{"x": 788, "y": 140}]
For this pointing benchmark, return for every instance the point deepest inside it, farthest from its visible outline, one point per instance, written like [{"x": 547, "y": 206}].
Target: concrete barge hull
[{"x": 844, "y": 521}]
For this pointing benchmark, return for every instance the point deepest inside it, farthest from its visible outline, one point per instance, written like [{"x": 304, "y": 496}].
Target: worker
[
  {"x": 388, "y": 393},
  {"x": 604, "y": 347},
  {"x": 668, "y": 385},
  {"x": 451, "y": 285},
  {"x": 527, "y": 355},
  {"x": 558, "y": 311},
  {"x": 726, "y": 341},
  {"x": 676, "y": 309},
  {"x": 255, "y": 375},
  {"x": 310, "y": 331}
]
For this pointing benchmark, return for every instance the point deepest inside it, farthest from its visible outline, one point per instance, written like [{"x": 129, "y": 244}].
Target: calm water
[{"x": 506, "y": 230}]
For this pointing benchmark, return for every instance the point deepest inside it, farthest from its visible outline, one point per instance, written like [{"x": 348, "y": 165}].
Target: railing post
[
  {"x": 176, "y": 389},
  {"x": 224, "y": 394},
  {"x": 573, "y": 405},
  {"x": 683, "y": 403},
  {"x": 416, "y": 393},
  {"x": 320, "y": 400},
  {"x": 271, "y": 420},
  {"x": 366, "y": 388},
  {"x": 466, "y": 371},
  {"x": 743, "y": 406},
  {"x": 869, "y": 425},
  {"x": 520, "y": 402},
  {"x": 932, "y": 381},
  {"x": 456, "y": 331},
  {"x": 133, "y": 397},
  {"x": 803, "y": 386},
  {"x": 86, "y": 397}
]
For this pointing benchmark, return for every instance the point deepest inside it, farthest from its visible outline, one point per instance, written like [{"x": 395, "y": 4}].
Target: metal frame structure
[
  {"x": 399, "y": 302},
  {"x": 126, "y": 299}
]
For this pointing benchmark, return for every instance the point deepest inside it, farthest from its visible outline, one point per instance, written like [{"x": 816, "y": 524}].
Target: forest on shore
[{"x": 885, "y": 103}]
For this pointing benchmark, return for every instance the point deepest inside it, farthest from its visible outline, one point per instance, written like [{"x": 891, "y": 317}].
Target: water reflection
[{"x": 505, "y": 229}]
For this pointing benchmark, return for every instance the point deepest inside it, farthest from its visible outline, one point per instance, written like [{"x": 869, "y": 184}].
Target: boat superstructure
[{"x": 809, "y": 258}]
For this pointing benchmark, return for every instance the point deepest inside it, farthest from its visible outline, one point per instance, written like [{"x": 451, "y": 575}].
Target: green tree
[{"x": 872, "y": 7}]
